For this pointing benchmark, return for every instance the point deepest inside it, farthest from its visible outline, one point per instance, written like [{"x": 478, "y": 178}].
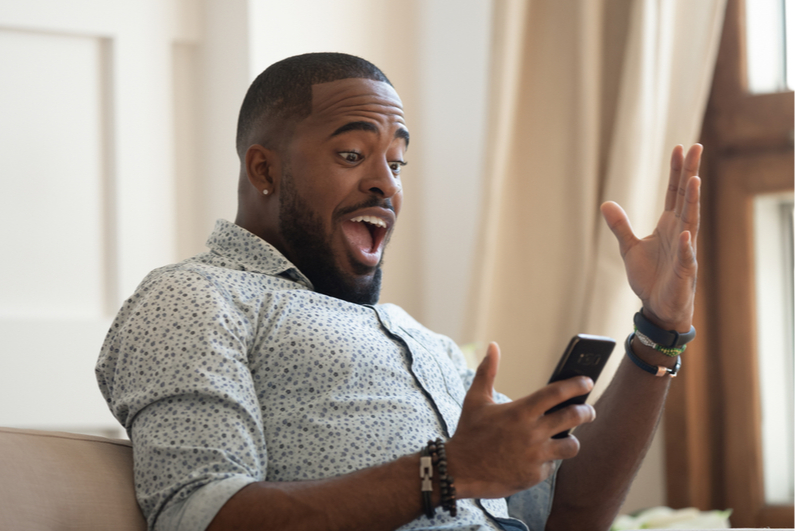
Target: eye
[
  {"x": 396, "y": 165},
  {"x": 351, "y": 156}
]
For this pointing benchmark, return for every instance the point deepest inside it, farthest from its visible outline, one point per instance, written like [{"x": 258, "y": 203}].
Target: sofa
[{"x": 63, "y": 481}]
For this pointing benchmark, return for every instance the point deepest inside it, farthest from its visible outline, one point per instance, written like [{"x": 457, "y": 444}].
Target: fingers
[
  {"x": 482, "y": 388},
  {"x": 618, "y": 222},
  {"x": 691, "y": 212},
  {"x": 569, "y": 418},
  {"x": 566, "y": 448},
  {"x": 554, "y": 394},
  {"x": 677, "y": 161},
  {"x": 689, "y": 169}
]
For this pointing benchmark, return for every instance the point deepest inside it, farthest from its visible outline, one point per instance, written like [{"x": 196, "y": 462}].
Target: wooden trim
[
  {"x": 743, "y": 120},
  {"x": 756, "y": 121},
  {"x": 777, "y": 516},
  {"x": 713, "y": 418},
  {"x": 737, "y": 346},
  {"x": 737, "y": 342},
  {"x": 730, "y": 79}
]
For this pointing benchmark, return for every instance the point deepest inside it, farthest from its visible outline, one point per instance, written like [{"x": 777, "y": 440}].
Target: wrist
[{"x": 456, "y": 467}]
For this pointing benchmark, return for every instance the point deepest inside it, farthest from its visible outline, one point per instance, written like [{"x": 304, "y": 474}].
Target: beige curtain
[{"x": 588, "y": 99}]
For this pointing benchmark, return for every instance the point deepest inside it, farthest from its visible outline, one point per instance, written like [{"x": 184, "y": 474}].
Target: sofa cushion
[{"x": 64, "y": 481}]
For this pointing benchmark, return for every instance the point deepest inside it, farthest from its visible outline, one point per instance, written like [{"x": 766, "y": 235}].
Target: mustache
[{"x": 371, "y": 202}]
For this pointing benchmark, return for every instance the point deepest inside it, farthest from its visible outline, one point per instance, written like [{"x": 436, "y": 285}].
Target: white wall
[
  {"x": 454, "y": 72},
  {"x": 87, "y": 191}
]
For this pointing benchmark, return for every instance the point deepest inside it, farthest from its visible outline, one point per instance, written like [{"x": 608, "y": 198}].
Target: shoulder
[
  {"x": 177, "y": 275},
  {"x": 188, "y": 296},
  {"x": 211, "y": 277},
  {"x": 188, "y": 281}
]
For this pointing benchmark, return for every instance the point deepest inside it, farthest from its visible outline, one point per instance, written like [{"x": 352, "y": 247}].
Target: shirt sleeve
[{"x": 175, "y": 374}]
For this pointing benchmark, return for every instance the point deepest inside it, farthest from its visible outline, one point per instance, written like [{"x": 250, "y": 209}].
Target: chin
[
  {"x": 354, "y": 288},
  {"x": 365, "y": 289}
]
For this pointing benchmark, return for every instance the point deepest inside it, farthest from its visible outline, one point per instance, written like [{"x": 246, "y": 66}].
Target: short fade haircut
[{"x": 283, "y": 92}]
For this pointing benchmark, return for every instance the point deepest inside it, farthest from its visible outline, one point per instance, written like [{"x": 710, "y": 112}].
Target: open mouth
[{"x": 366, "y": 235}]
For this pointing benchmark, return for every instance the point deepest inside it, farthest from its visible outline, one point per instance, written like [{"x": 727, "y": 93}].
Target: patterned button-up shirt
[{"x": 227, "y": 369}]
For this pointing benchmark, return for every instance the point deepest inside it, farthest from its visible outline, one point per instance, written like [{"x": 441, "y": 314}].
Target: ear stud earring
[{"x": 265, "y": 191}]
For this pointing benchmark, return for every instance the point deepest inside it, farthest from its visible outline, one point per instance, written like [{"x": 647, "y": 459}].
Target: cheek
[{"x": 315, "y": 182}]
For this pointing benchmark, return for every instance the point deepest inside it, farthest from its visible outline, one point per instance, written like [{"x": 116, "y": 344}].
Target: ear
[{"x": 263, "y": 168}]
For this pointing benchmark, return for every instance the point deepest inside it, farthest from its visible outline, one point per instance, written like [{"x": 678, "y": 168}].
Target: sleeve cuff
[{"x": 199, "y": 509}]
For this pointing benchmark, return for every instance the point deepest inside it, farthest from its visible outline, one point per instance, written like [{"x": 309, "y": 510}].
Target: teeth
[{"x": 372, "y": 220}]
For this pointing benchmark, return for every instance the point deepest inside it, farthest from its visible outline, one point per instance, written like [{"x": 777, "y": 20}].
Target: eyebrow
[
  {"x": 369, "y": 127},
  {"x": 402, "y": 133}
]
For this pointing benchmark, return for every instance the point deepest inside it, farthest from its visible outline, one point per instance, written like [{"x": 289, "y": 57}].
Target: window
[
  {"x": 773, "y": 270},
  {"x": 768, "y": 51}
]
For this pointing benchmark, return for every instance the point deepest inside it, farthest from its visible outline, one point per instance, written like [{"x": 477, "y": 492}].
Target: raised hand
[
  {"x": 661, "y": 268},
  {"x": 500, "y": 449}
]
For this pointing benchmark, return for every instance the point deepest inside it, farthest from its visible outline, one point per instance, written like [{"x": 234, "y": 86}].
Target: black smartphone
[{"x": 586, "y": 355}]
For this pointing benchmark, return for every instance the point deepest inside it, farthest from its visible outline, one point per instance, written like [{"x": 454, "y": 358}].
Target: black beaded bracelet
[{"x": 446, "y": 486}]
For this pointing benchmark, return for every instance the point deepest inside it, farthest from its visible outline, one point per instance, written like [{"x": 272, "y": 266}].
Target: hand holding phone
[{"x": 586, "y": 355}]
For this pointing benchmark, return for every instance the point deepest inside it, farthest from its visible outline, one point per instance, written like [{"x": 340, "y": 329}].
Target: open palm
[{"x": 661, "y": 268}]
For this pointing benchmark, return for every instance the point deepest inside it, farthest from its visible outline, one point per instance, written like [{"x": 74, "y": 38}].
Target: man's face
[{"x": 341, "y": 191}]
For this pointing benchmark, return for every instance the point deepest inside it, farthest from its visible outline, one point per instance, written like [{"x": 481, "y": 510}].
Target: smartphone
[{"x": 586, "y": 355}]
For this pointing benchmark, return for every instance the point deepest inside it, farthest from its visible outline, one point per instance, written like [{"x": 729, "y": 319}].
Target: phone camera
[{"x": 589, "y": 359}]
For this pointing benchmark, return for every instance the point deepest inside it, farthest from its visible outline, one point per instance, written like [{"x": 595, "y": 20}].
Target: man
[{"x": 262, "y": 387}]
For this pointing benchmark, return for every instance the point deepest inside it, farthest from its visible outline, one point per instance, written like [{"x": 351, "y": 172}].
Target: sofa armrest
[{"x": 54, "y": 480}]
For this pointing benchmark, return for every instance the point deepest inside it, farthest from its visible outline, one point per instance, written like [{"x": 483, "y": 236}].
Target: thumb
[
  {"x": 618, "y": 222},
  {"x": 482, "y": 388}
]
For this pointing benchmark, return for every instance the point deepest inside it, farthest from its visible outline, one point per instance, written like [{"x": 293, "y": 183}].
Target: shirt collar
[{"x": 252, "y": 252}]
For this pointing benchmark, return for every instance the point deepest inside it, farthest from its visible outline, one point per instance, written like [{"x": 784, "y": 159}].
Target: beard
[{"x": 311, "y": 252}]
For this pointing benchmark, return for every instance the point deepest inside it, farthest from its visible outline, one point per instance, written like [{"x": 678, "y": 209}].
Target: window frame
[{"x": 713, "y": 418}]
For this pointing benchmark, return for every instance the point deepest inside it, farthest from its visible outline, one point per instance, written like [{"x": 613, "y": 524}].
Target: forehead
[{"x": 344, "y": 100}]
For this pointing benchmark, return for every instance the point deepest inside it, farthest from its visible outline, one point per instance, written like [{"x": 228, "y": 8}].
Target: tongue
[{"x": 358, "y": 235}]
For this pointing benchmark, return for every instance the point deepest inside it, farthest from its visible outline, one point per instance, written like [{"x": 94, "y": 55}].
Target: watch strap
[{"x": 664, "y": 338}]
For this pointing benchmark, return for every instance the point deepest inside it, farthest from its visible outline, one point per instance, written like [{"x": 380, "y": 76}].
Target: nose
[{"x": 380, "y": 180}]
